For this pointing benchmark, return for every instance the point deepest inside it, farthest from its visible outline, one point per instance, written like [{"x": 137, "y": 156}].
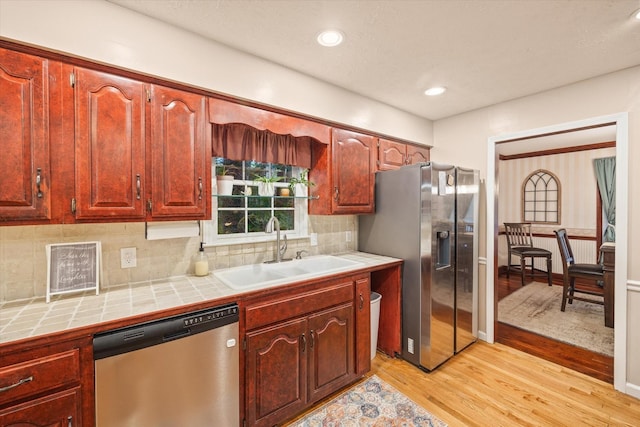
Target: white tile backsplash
[{"x": 23, "y": 262}]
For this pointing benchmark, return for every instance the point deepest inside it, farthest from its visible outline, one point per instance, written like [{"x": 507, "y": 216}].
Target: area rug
[
  {"x": 372, "y": 403},
  {"x": 536, "y": 308}
]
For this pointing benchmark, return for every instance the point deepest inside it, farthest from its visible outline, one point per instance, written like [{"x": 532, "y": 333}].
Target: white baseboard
[{"x": 633, "y": 390}]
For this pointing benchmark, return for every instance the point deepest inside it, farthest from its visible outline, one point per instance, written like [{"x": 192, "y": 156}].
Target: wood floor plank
[
  {"x": 495, "y": 385},
  {"x": 594, "y": 364}
]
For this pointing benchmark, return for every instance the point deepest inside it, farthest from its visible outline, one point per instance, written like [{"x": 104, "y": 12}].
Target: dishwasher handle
[{"x": 176, "y": 335}]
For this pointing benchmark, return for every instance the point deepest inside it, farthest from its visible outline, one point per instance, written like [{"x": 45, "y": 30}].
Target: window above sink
[{"x": 241, "y": 216}]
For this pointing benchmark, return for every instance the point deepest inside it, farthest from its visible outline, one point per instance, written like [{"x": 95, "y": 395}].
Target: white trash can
[{"x": 375, "y": 319}]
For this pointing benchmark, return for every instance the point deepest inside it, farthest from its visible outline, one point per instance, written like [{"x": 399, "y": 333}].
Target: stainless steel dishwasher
[{"x": 178, "y": 371}]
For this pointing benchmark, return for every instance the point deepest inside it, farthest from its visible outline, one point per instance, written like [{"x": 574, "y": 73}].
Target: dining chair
[
  {"x": 520, "y": 244},
  {"x": 571, "y": 271}
]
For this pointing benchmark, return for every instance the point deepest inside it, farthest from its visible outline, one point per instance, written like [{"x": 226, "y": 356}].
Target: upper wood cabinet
[
  {"x": 180, "y": 152},
  {"x": 140, "y": 150},
  {"x": 110, "y": 146},
  {"x": 24, "y": 136},
  {"x": 343, "y": 173},
  {"x": 393, "y": 154},
  {"x": 417, "y": 154}
]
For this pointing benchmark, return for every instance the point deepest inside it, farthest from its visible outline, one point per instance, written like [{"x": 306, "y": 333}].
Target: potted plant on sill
[
  {"x": 300, "y": 185},
  {"x": 266, "y": 185},
  {"x": 224, "y": 180}
]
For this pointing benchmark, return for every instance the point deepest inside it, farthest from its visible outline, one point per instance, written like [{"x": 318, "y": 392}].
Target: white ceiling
[{"x": 483, "y": 51}]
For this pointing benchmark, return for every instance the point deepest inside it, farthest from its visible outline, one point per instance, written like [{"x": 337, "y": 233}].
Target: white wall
[
  {"x": 463, "y": 139},
  {"x": 105, "y": 32}
]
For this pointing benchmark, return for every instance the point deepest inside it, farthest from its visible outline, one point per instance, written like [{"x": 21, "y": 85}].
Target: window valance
[{"x": 238, "y": 141}]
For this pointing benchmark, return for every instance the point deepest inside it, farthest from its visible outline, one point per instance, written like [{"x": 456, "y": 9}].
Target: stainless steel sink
[{"x": 266, "y": 275}]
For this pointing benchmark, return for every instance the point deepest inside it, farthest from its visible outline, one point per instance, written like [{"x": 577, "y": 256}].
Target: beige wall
[
  {"x": 463, "y": 139},
  {"x": 577, "y": 181}
]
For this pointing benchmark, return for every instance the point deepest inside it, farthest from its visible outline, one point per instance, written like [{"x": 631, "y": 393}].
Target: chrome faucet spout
[{"x": 280, "y": 250}]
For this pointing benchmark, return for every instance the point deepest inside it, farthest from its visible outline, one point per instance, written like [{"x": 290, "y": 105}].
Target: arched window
[{"x": 541, "y": 198}]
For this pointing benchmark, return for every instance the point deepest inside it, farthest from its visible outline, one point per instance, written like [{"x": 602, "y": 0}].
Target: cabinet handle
[
  {"x": 19, "y": 383},
  {"x": 361, "y": 301},
  {"x": 304, "y": 343},
  {"x": 38, "y": 182},
  {"x": 312, "y": 338},
  {"x": 335, "y": 195},
  {"x": 199, "y": 188},
  {"x": 69, "y": 421},
  {"x": 137, "y": 186}
]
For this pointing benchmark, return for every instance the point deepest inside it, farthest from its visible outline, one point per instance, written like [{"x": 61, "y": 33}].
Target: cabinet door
[
  {"x": 56, "y": 410},
  {"x": 276, "y": 372},
  {"x": 331, "y": 351},
  {"x": 110, "y": 164},
  {"x": 363, "y": 325},
  {"x": 180, "y": 171},
  {"x": 353, "y": 172},
  {"x": 391, "y": 154},
  {"x": 24, "y": 181},
  {"x": 417, "y": 154}
]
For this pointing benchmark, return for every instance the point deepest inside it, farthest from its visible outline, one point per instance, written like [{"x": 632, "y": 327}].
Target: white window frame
[{"x": 301, "y": 218}]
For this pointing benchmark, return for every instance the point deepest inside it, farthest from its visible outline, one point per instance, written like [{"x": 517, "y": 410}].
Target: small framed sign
[{"x": 73, "y": 267}]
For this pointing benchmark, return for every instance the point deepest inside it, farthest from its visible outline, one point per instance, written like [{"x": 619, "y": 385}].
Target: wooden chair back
[
  {"x": 518, "y": 234},
  {"x": 565, "y": 248}
]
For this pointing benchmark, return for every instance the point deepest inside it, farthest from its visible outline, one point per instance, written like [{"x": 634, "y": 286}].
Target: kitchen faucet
[{"x": 280, "y": 250}]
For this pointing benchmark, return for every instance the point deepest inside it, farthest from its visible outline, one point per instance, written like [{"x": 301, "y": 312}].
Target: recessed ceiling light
[
  {"x": 330, "y": 38},
  {"x": 636, "y": 14},
  {"x": 436, "y": 90}
]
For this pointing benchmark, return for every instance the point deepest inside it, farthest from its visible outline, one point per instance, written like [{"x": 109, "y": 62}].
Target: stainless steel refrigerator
[{"x": 427, "y": 214}]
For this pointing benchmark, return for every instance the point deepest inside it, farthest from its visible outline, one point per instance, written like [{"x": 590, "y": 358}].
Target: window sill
[{"x": 254, "y": 239}]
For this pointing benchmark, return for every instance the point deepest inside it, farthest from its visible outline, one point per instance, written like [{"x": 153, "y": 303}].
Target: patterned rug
[
  {"x": 536, "y": 308},
  {"x": 372, "y": 403}
]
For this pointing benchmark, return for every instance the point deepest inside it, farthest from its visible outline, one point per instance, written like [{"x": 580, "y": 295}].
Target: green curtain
[{"x": 605, "y": 170}]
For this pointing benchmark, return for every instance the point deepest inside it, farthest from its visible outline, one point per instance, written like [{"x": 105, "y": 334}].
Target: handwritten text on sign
[{"x": 73, "y": 267}]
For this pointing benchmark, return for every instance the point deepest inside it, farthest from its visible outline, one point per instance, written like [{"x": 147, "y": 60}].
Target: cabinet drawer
[
  {"x": 292, "y": 306},
  {"x": 39, "y": 375}
]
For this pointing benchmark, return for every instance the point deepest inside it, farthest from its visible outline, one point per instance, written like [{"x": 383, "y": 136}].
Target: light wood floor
[
  {"x": 491, "y": 385},
  {"x": 495, "y": 385}
]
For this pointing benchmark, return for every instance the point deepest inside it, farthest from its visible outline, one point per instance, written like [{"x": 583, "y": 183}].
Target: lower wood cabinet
[
  {"x": 47, "y": 384},
  {"x": 57, "y": 410},
  {"x": 300, "y": 348}
]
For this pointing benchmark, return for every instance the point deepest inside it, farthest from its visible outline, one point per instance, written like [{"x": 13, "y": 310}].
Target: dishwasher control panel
[{"x": 211, "y": 316}]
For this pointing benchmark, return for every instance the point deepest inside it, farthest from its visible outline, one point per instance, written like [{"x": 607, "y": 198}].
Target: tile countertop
[{"x": 34, "y": 317}]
